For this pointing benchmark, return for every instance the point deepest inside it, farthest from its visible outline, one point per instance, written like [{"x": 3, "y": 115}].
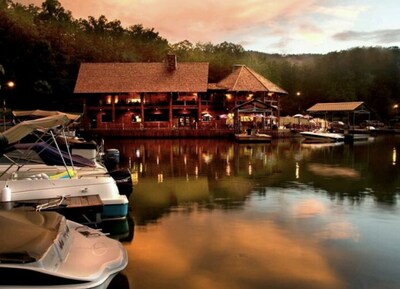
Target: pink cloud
[
  {"x": 264, "y": 25},
  {"x": 196, "y": 21}
]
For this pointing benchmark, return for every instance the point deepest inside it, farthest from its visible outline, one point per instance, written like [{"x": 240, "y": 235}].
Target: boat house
[
  {"x": 350, "y": 113},
  {"x": 169, "y": 97}
]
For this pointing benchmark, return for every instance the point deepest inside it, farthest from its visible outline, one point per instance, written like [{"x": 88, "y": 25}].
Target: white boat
[
  {"x": 46, "y": 250},
  {"x": 24, "y": 171},
  {"x": 322, "y": 136}
]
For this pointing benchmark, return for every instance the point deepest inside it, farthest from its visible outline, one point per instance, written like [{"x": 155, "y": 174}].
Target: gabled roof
[
  {"x": 141, "y": 77},
  {"x": 244, "y": 79},
  {"x": 337, "y": 106},
  {"x": 254, "y": 106}
]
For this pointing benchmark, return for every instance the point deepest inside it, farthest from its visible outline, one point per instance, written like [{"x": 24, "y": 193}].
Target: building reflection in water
[
  {"x": 229, "y": 171},
  {"x": 217, "y": 214},
  {"x": 194, "y": 157},
  {"x": 220, "y": 172}
]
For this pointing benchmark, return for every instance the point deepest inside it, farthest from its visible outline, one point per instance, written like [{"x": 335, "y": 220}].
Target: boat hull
[
  {"x": 115, "y": 205},
  {"x": 253, "y": 138},
  {"x": 322, "y": 136},
  {"x": 67, "y": 254}
]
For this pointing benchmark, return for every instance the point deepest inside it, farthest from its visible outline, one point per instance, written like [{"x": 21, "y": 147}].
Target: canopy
[
  {"x": 43, "y": 113},
  {"x": 27, "y": 235},
  {"x": 52, "y": 157},
  {"x": 24, "y": 128}
]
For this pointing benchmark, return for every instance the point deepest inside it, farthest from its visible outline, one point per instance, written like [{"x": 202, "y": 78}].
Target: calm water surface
[{"x": 216, "y": 214}]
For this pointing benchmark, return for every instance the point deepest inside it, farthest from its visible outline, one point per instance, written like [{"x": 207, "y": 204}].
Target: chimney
[
  {"x": 172, "y": 62},
  {"x": 237, "y": 66}
]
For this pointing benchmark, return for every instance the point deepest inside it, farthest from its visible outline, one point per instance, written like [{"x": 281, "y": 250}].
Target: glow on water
[{"x": 216, "y": 214}]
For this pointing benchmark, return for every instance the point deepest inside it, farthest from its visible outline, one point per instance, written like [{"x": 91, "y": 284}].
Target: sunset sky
[{"x": 284, "y": 26}]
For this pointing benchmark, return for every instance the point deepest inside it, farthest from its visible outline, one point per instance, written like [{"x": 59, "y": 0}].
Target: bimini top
[
  {"x": 38, "y": 113},
  {"x": 28, "y": 235},
  {"x": 51, "y": 156},
  {"x": 19, "y": 131}
]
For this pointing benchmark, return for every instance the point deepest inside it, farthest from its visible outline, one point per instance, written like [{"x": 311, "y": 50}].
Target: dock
[
  {"x": 82, "y": 209},
  {"x": 355, "y": 137}
]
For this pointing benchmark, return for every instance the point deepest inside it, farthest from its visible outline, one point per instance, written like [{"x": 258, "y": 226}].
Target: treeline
[{"x": 41, "y": 49}]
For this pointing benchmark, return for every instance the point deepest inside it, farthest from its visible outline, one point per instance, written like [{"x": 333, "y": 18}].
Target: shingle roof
[
  {"x": 245, "y": 79},
  {"x": 141, "y": 77},
  {"x": 336, "y": 106}
]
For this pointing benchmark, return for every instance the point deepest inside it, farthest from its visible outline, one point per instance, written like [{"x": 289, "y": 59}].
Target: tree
[{"x": 53, "y": 11}]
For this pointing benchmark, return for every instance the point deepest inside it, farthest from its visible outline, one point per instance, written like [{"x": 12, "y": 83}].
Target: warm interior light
[
  {"x": 156, "y": 111},
  {"x": 133, "y": 100},
  {"x": 184, "y": 111}
]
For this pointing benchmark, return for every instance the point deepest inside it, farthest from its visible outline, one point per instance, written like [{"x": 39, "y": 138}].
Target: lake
[{"x": 217, "y": 214}]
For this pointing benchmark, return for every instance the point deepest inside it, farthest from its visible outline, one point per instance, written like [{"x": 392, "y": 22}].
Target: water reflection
[
  {"x": 217, "y": 167},
  {"x": 216, "y": 214}
]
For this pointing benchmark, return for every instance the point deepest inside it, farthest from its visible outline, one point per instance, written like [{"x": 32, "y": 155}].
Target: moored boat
[
  {"x": 322, "y": 136},
  {"x": 258, "y": 137},
  {"x": 33, "y": 171},
  {"x": 46, "y": 250}
]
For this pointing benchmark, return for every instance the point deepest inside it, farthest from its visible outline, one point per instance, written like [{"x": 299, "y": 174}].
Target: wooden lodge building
[{"x": 174, "y": 99}]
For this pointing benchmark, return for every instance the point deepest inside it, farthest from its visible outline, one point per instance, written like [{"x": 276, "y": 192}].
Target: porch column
[
  {"x": 199, "y": 109},
  {"x": 279, "y": 112},
  {"x": 142, "y": 109},
  {"x": 113, "y": 109},
  {"x": 86, "y": 120},
  {"x": 170, "y": 117},
  {"x": 237, "y": 124}
]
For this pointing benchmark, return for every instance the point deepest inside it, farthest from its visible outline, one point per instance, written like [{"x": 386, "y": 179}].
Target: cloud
[
  {"x": 264, "y": 25},
  {"x": 339, "y": 231},
  {"x": 238, "y": 255},
  {"x": 379, "y": 36},
  {"x": 309, "y": 208},
  {"x": 349, "y": 12}
]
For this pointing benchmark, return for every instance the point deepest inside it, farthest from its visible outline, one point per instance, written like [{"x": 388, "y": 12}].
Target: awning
[
  {"x": 17, "y": 132},
  {"x": 43, "y": 113}
]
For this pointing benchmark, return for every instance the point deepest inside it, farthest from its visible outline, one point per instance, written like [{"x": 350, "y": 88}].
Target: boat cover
[
  {"x": 3, "y": 144},
  {"x": 19, "y": 131},
  {"x": 27, "y": 235},
  {"x": 43, "y": 113},
  {"x": 51, "y": 156}
]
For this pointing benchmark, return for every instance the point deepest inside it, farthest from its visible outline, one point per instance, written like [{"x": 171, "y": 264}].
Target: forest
[{"x": 41, "y": 49}]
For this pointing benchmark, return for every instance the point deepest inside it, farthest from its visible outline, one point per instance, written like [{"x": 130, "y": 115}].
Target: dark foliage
[{"x": 42, "y": 47}]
